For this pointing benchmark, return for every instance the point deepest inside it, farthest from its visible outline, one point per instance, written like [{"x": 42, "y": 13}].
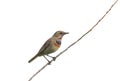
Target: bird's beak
[{"x": 66, "y": 33}]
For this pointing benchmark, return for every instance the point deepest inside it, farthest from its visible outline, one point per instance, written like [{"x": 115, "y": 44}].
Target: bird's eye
[{"x": 61, "y": 33}]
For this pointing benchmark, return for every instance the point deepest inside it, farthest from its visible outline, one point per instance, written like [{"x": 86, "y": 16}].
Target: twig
[{"x": 76, "y": 41}]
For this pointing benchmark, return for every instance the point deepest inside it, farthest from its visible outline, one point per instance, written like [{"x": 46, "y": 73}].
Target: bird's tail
[{"x": 32, "y": 58}]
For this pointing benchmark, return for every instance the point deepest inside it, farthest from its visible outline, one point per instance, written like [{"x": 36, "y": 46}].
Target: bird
[{"x": 50, "y": 46}]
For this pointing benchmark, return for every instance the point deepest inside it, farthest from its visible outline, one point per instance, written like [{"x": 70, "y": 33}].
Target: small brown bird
[{"x": 50, "y": 46}]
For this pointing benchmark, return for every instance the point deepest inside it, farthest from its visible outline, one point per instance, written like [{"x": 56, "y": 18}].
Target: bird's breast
[{"x": 54, "y": 46}]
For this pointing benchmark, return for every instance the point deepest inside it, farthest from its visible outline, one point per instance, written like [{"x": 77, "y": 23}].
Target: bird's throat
[{"x": 58, "y": 42}]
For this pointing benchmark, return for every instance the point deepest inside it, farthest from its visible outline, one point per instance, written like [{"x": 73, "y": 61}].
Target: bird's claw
[
  {"x": 54, "y": 58},
  {"x": 49, "y": 63}
]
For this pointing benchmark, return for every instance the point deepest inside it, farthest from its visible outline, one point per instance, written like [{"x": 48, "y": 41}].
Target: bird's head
[{"x": 60, "y": 34}]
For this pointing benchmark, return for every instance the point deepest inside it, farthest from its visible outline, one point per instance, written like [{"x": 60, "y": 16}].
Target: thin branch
[{"x": 76, "y": 41}]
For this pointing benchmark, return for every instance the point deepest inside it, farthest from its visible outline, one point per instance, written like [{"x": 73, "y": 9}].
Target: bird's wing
[{"x": 43, "y": 48}]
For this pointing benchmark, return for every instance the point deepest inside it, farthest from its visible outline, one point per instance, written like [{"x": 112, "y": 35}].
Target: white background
[{"x": 26, "y": 24}]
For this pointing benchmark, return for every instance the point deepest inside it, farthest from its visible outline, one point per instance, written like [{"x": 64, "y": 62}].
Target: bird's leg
[
  {"x": 49, "y": 62},
  {"x": 54, "y": 58}
]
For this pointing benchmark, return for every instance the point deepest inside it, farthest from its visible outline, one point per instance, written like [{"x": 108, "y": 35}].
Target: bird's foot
[
  {"x": 49, "y": 62},
  {"x": 54, "y": 58}
]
